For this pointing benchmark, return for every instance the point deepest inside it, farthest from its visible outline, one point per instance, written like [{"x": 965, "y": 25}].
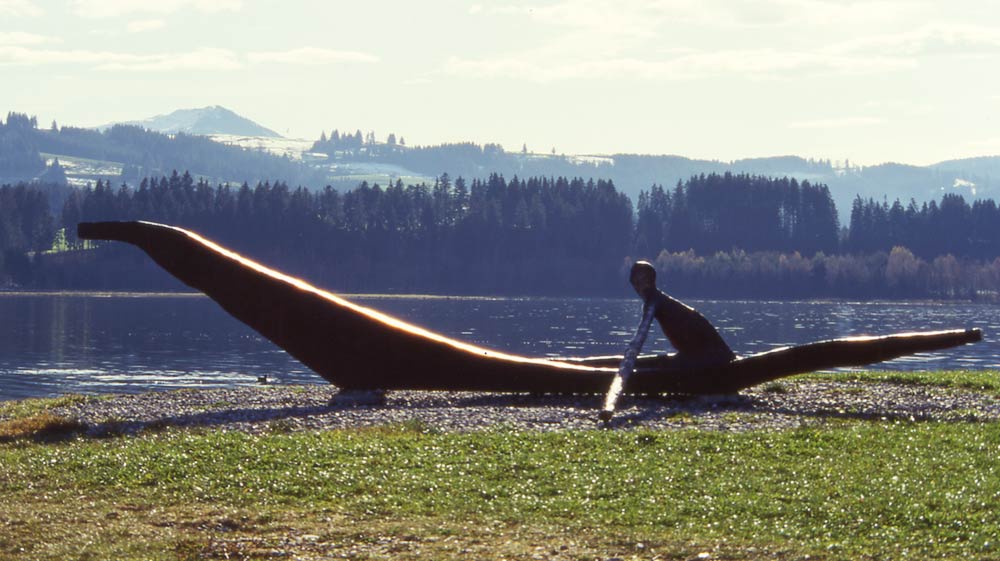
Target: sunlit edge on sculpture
[{"x": 355, "y": 347}]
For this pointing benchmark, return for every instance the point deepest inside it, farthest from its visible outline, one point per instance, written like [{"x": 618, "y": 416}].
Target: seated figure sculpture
[{"x": 697, "y": 342}]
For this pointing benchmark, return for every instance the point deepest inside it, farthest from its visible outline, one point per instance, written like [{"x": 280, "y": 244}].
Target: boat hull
[{"x": 355, "y": 347}]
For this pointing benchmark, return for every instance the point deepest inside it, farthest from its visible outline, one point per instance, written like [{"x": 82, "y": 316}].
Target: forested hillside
[
  {"x": 140, "y": 153},
  {"x": 129, "y": 153},
  {"x": 494, "y": 236},
  {"x": 19, "y": 154},
  {"x": 713, "y": 235},
  {"x": 633, "y": 173},
  {"x": 712, "y": 213}
]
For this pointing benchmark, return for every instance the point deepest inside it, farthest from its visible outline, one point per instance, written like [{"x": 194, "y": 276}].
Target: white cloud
[
  {"x": 595, "y": 21},
  {"x": 624, "y": 16},
  {"x": 199, "y": 59},
  {"x": 841, "y": 123},
  {"x": 115, "y": 8},
  {"x": 19, "y": 8},
  {"x": 909, "y": 108},
  {"x": 771, "y": 62},
  {"x": 648, "y": 17},
  {"x": 679, "y": 65},
  {"x": 10, "y": 55},
  {"x": 22, "y": 38},
  {"x": 983, "y": 146},
  {"x": 640, "y": 38},
  {"x": 310, "y": 56},
  {"x": 417, "y": 81},
  {"x": 841, "y": 14},
  {"x": 142, "y": 25},
  {"x": 929, "y": 40},
  {"x": 202, "y": 59}
]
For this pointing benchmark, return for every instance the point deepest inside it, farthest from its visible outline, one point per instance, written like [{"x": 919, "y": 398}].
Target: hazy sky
[{"x": 895, "y": 80}]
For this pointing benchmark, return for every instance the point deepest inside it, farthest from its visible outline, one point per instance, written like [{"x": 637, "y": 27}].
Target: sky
[{"x": 871, "y": 81}]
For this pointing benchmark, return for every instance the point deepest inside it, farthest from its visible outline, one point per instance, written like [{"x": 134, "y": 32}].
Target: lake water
[{"x": 52, "y": 344}]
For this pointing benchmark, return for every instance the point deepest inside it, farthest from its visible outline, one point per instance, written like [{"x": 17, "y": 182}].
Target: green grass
[
  {"x": 853, "y": 491},
  {"x": 985, "y": 381},
  {"x": 29, "y": 407},
  {"x": 843, "y": 490}
]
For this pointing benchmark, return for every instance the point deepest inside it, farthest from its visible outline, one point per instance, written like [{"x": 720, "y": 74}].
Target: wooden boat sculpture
[{"x": 358, "y": 348}]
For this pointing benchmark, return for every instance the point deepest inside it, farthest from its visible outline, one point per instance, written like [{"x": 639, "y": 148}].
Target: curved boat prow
[
  {"x": 349, "y": 345},
  {"x": 355, "y": 347}
]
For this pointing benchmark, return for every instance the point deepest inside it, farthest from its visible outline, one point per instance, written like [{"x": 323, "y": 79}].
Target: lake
[{"x": 52, "y": 344}]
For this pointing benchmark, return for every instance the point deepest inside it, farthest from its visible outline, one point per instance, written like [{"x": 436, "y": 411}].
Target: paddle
[{"x": 628, "y": 363}]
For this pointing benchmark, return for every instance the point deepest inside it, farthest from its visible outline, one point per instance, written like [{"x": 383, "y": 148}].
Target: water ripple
[{"x": 57, "y": 343}]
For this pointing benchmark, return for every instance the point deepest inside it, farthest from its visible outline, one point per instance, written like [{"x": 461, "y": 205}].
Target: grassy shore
[{"x": 847, "y": 489}]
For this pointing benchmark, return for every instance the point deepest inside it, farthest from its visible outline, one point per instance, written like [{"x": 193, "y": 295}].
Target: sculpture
[
  {"x": 697, "y": 342},
  {"x": 358, "y": 348}
]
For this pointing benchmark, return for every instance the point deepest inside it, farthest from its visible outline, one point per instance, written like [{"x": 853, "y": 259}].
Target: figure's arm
[{"x": 628, "y": 362}]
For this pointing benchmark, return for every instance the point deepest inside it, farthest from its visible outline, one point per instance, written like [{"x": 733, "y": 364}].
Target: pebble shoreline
[{"x": 268, "y": 408}]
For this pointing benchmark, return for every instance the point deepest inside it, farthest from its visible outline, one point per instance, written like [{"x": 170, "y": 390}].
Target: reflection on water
[{"x": 95, "y": 343}]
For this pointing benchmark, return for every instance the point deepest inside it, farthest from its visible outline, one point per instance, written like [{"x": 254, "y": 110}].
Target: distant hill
[
  {"x": 985, "y": 166},
  {"x": 219, "y": 145},
  {"x": 633, "y": 173},
  {"x": 205, "y": 121},
  {"x": 128, "y": 153}
]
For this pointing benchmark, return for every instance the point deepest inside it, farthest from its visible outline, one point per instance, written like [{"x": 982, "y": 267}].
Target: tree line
[
  {"x": 951, "y": 227},
  {"x": 713, "y": 235},
  {"x": 487, "y": 236},
  {"x": 19, "y": 154},
  {"x": 26, "y": 226},
  {"x": 714, "y": 212},
  {"x": 893, "y": 274}
]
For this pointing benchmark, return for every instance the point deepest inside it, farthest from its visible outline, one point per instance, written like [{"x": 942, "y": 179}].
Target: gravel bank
[{"x": 292, "y": 408}]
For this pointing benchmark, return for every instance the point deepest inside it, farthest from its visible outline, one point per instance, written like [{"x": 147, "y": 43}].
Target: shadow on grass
[
  {"x": 731, "y": 412},
  {"x": 43, "y": 427}
]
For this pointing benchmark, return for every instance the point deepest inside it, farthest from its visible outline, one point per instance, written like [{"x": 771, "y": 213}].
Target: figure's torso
[{"x": 688, "y": 331}]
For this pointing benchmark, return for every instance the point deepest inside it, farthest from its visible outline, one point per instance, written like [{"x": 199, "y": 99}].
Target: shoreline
[
  {"x": 786, "y": 405},
  {"x": 27, "y": 292}
]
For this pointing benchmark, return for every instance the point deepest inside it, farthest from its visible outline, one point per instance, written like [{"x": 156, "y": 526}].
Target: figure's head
[{"x": 642, "y": 277}]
